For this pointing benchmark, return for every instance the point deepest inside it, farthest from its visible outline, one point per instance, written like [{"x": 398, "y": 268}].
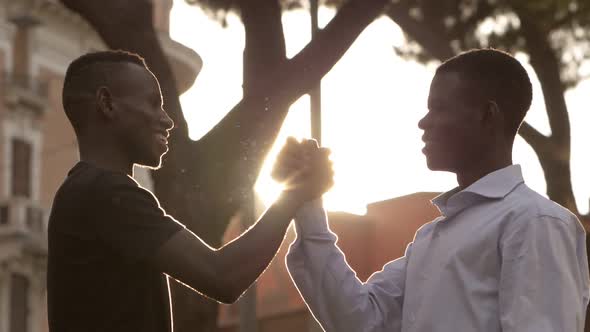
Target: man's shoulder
[
  {"x": 97, "y": 179},
  {"x": 79, "y": 182},
  {"x": 528, "y": 205},
  {"x": 426, "y": 229},
  {"x": 76, "y": 201},
  {"x": 86, "y": 186}
]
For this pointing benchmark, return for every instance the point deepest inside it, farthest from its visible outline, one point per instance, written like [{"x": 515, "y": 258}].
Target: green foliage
[{"x": 465, "y": 24}]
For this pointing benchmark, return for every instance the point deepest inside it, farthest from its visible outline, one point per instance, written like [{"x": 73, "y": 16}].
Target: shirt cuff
[{"x": 311, "y": 219}]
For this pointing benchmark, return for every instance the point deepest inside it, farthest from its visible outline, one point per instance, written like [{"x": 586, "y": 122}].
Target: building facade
[{"x": 38, "y": 39}]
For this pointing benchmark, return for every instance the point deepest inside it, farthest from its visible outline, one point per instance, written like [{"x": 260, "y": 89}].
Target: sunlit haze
[{"x": 371, "y": 103}]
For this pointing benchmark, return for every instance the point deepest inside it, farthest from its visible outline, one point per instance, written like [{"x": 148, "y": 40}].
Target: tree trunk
[
  {"x": 264, "y": 52},
  {"x": 554, "y": 154}
]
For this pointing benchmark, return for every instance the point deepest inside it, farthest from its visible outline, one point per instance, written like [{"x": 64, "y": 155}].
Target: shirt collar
[{"x": 494, "y": 185}]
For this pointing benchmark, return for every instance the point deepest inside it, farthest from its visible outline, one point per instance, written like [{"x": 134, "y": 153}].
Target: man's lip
[
  {"x": 162, "y": 132},
  {"x": 161, "y": 137}
]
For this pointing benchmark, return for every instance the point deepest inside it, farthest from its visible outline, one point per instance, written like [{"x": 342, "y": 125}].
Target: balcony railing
[
  {"x": 25, "y": 92},
  {"x": 35, "y": 85},
  {"x": 23, "y": 219}
]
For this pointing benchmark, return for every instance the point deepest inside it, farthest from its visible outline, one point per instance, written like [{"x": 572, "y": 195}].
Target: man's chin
[
  {"x": 153, "y": 167},
  {"x": 152, "y": 163},
  {"x": 436, "y": 165}
]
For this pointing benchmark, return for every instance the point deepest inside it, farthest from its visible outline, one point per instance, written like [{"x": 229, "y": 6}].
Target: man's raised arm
[
  {"x": 336, "y": 297},
  {"x": 226, "y": 273},
  {"x": 330, "y": 288}
]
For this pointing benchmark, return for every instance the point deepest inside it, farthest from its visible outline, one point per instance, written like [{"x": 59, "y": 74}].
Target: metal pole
[
  {"x": 247, "y": 304},
  {"x": 315, "y": 95}
]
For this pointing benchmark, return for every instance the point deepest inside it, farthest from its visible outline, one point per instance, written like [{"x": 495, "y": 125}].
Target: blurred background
[{"x": 245, "y": 75}]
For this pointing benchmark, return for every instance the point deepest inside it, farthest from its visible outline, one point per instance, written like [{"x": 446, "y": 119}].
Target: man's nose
[
  {"x": 424, "y": 122},
  {"x": 167, "y": 121}
]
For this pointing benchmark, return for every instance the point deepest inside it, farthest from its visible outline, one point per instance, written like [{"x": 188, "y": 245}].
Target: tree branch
[
  {"x": 533, "y": 137},
  {"x": 546, "y": 65},
  {"x": 433, "y": 41},
  {"x": 264, "y": 50},
  {"x": 306, "y": 69},
  {"x": 298, "y": 75},
  {"x": 236, "y": 146}
]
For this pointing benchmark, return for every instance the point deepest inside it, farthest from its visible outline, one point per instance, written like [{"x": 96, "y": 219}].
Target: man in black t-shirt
[{"x": 110, "y": 242}]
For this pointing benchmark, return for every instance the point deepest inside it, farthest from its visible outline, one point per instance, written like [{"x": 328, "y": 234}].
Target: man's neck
[
  {"x": 467, "y": 178},
  {"x": 109, "y": 159}
]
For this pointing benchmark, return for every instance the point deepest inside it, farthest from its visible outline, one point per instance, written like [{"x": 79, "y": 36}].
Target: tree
[{"x": 203, "y": 183}]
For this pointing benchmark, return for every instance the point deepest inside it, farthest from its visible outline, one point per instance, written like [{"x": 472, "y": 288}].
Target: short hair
[
  {"x": 89, "y": 72},
  {"x": 499, "y": 77}
]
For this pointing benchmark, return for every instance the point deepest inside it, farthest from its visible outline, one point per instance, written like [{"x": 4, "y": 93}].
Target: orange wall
[{"x": 397, "y": 220}]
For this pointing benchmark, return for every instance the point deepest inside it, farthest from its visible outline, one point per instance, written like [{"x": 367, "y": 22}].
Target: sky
[{"x": 372, "y": 101}]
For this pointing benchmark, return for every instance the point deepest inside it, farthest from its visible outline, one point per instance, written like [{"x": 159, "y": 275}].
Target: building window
[
  {"x": 3, "y": 214},
  {"x": 21, "y": 168},
  {"x": 19, "y": 304}
]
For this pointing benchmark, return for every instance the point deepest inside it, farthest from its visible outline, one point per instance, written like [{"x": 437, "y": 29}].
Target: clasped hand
[{"x": 304, "y": 169}]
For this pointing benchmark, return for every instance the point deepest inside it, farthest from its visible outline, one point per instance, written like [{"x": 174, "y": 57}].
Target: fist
[
  {"x": 304, "y": 169},
  {"x": 292, "y": 159}
]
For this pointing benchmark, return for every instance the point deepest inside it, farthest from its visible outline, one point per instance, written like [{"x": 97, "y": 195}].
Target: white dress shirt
[{"x": 500, "y": 258}]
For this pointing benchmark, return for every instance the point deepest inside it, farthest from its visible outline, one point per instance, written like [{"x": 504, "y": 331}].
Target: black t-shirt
[{"x": 104, "y": 230}]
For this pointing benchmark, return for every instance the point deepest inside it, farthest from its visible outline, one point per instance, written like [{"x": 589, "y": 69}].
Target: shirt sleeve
[
  {"x": 130, "y": 220},
  {"x": 330, "y": 288},
  {"x": 544, "y": 276}
]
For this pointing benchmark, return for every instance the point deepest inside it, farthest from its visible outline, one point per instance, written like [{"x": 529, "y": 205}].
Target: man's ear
[
  {"x": 104, "y": 102},
  {"x": 492, "y": 115}
]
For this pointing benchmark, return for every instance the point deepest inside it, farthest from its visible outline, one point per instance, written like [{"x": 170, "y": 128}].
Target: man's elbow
[
  {"x": 215, "y": 289},
  {"x": 228, "y": 289},
  {"x": 229, "y": 297}
]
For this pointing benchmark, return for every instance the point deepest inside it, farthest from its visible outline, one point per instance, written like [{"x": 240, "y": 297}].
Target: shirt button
[{"x": 412, "y": 318}]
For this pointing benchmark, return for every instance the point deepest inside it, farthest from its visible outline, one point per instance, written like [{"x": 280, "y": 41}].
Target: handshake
[{"x": 304, "y": 169}]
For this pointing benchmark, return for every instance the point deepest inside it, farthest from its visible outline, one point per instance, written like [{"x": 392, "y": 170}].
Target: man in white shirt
[{"x": 499, "y": 258}]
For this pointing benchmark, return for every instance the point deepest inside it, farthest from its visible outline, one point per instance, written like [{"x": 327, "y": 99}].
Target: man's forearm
[
  {"x": 245, "y": 258},
  {"x": 329, "y": 286}
]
